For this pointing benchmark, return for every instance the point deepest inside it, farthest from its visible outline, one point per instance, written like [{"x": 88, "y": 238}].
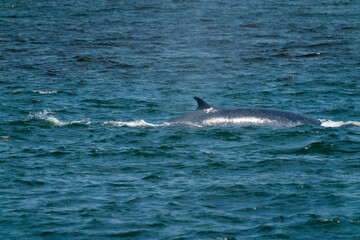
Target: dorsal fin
[{"x": 202, "y": 104}]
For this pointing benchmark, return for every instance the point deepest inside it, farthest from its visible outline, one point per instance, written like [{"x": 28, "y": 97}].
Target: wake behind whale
[{"x": 206, "y": 115}]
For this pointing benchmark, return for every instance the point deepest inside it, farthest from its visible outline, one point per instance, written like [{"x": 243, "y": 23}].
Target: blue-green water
[{"x": 86, "y": 85}]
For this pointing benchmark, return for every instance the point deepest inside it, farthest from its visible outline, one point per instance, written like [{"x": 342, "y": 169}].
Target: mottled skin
[{"x": 205, "y": 115}]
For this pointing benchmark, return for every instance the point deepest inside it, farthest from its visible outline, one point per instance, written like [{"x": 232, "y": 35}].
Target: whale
[{"x": 206, "y": 115}]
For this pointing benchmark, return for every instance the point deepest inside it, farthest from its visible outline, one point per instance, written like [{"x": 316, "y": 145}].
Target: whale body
[{"x": 206, "y": 115}]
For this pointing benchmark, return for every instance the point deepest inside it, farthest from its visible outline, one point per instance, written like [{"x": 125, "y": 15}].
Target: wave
[
  {"x": 46, "y": 115},
  {"x": 333, "y": 124}
]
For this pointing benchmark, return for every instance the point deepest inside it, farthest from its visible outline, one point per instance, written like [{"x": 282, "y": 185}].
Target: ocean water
[{"x": 85, "y": 89}]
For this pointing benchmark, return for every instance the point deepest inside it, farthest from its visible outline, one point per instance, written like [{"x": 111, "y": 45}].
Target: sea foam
[
  {"x": 334, "y": 124},
  {"x": 46, "y": 115},
  {"x": 138, "y": 123},
  {"x": 45, "y": 92}
]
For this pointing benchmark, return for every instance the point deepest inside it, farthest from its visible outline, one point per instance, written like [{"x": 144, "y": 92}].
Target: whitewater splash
[
  {"x": 47, "y": 116},
  {"x": 139, "y": 123},
  {"x": 333, "y": 124}
]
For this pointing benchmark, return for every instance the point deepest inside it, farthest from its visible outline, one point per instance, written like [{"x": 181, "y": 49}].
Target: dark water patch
[
  {"x": 322, "y": 147},
  {"x": 323, "y": 44},
  {"x": 316, "y": 147},
  {"x": 124, "y": 185},
  {"x": 38, "y": 42},
  {"x": 16, "y": 50},
  {"x": 310, "y": 55},
  {"x": 229, "y": 135},
  {"x": 152, "y": 177},
  {"x": 82, "y": 59},
  {"x": 150, "y": 153},
  {"x": 166, "y": 147},
  {"x": 343, "y": 2},
  {"x": 30, "y": 183},
  {"x": 281, "y": 55},
  {"x": 128, "y": 234},
  {"x": 325, "y": 223},
  {"x": 122, "y": 65},
  {"x": 354, "y": 27},
  {"x": 51, "y": 73},
  {"x": 60, "y": 153},
  {"x": 27, "y": 67},
  {"x": 274, "y": 163},
  {"x": 107, "y": 104}
]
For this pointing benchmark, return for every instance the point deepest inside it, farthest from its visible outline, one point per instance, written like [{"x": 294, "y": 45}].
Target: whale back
[{"x": 206, "y": 115}]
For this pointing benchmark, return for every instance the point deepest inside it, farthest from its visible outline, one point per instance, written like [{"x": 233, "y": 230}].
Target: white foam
[
  {"x": 46, "y": 115},
  {"x": 138, "y": 123},
  {"x": 329, "y": 123},
  {"x": 236, "y": 121},
  {"x": 5, "y": 138},
  {"x": 210, "y": 110},
  {"x": 45, "y": 92}
]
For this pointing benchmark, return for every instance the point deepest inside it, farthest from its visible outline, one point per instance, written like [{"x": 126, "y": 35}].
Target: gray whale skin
[{"x": 206, "y": 115}]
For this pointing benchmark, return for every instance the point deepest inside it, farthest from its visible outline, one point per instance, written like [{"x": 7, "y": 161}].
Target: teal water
[{"x": 85, "y": 87}]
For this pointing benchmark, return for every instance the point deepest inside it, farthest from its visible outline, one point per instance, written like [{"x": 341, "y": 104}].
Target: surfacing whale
[{"x": 206, "y": 115}]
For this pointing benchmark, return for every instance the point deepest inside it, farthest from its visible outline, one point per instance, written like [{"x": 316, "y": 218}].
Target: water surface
[{"x": 85, "y": 87}]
